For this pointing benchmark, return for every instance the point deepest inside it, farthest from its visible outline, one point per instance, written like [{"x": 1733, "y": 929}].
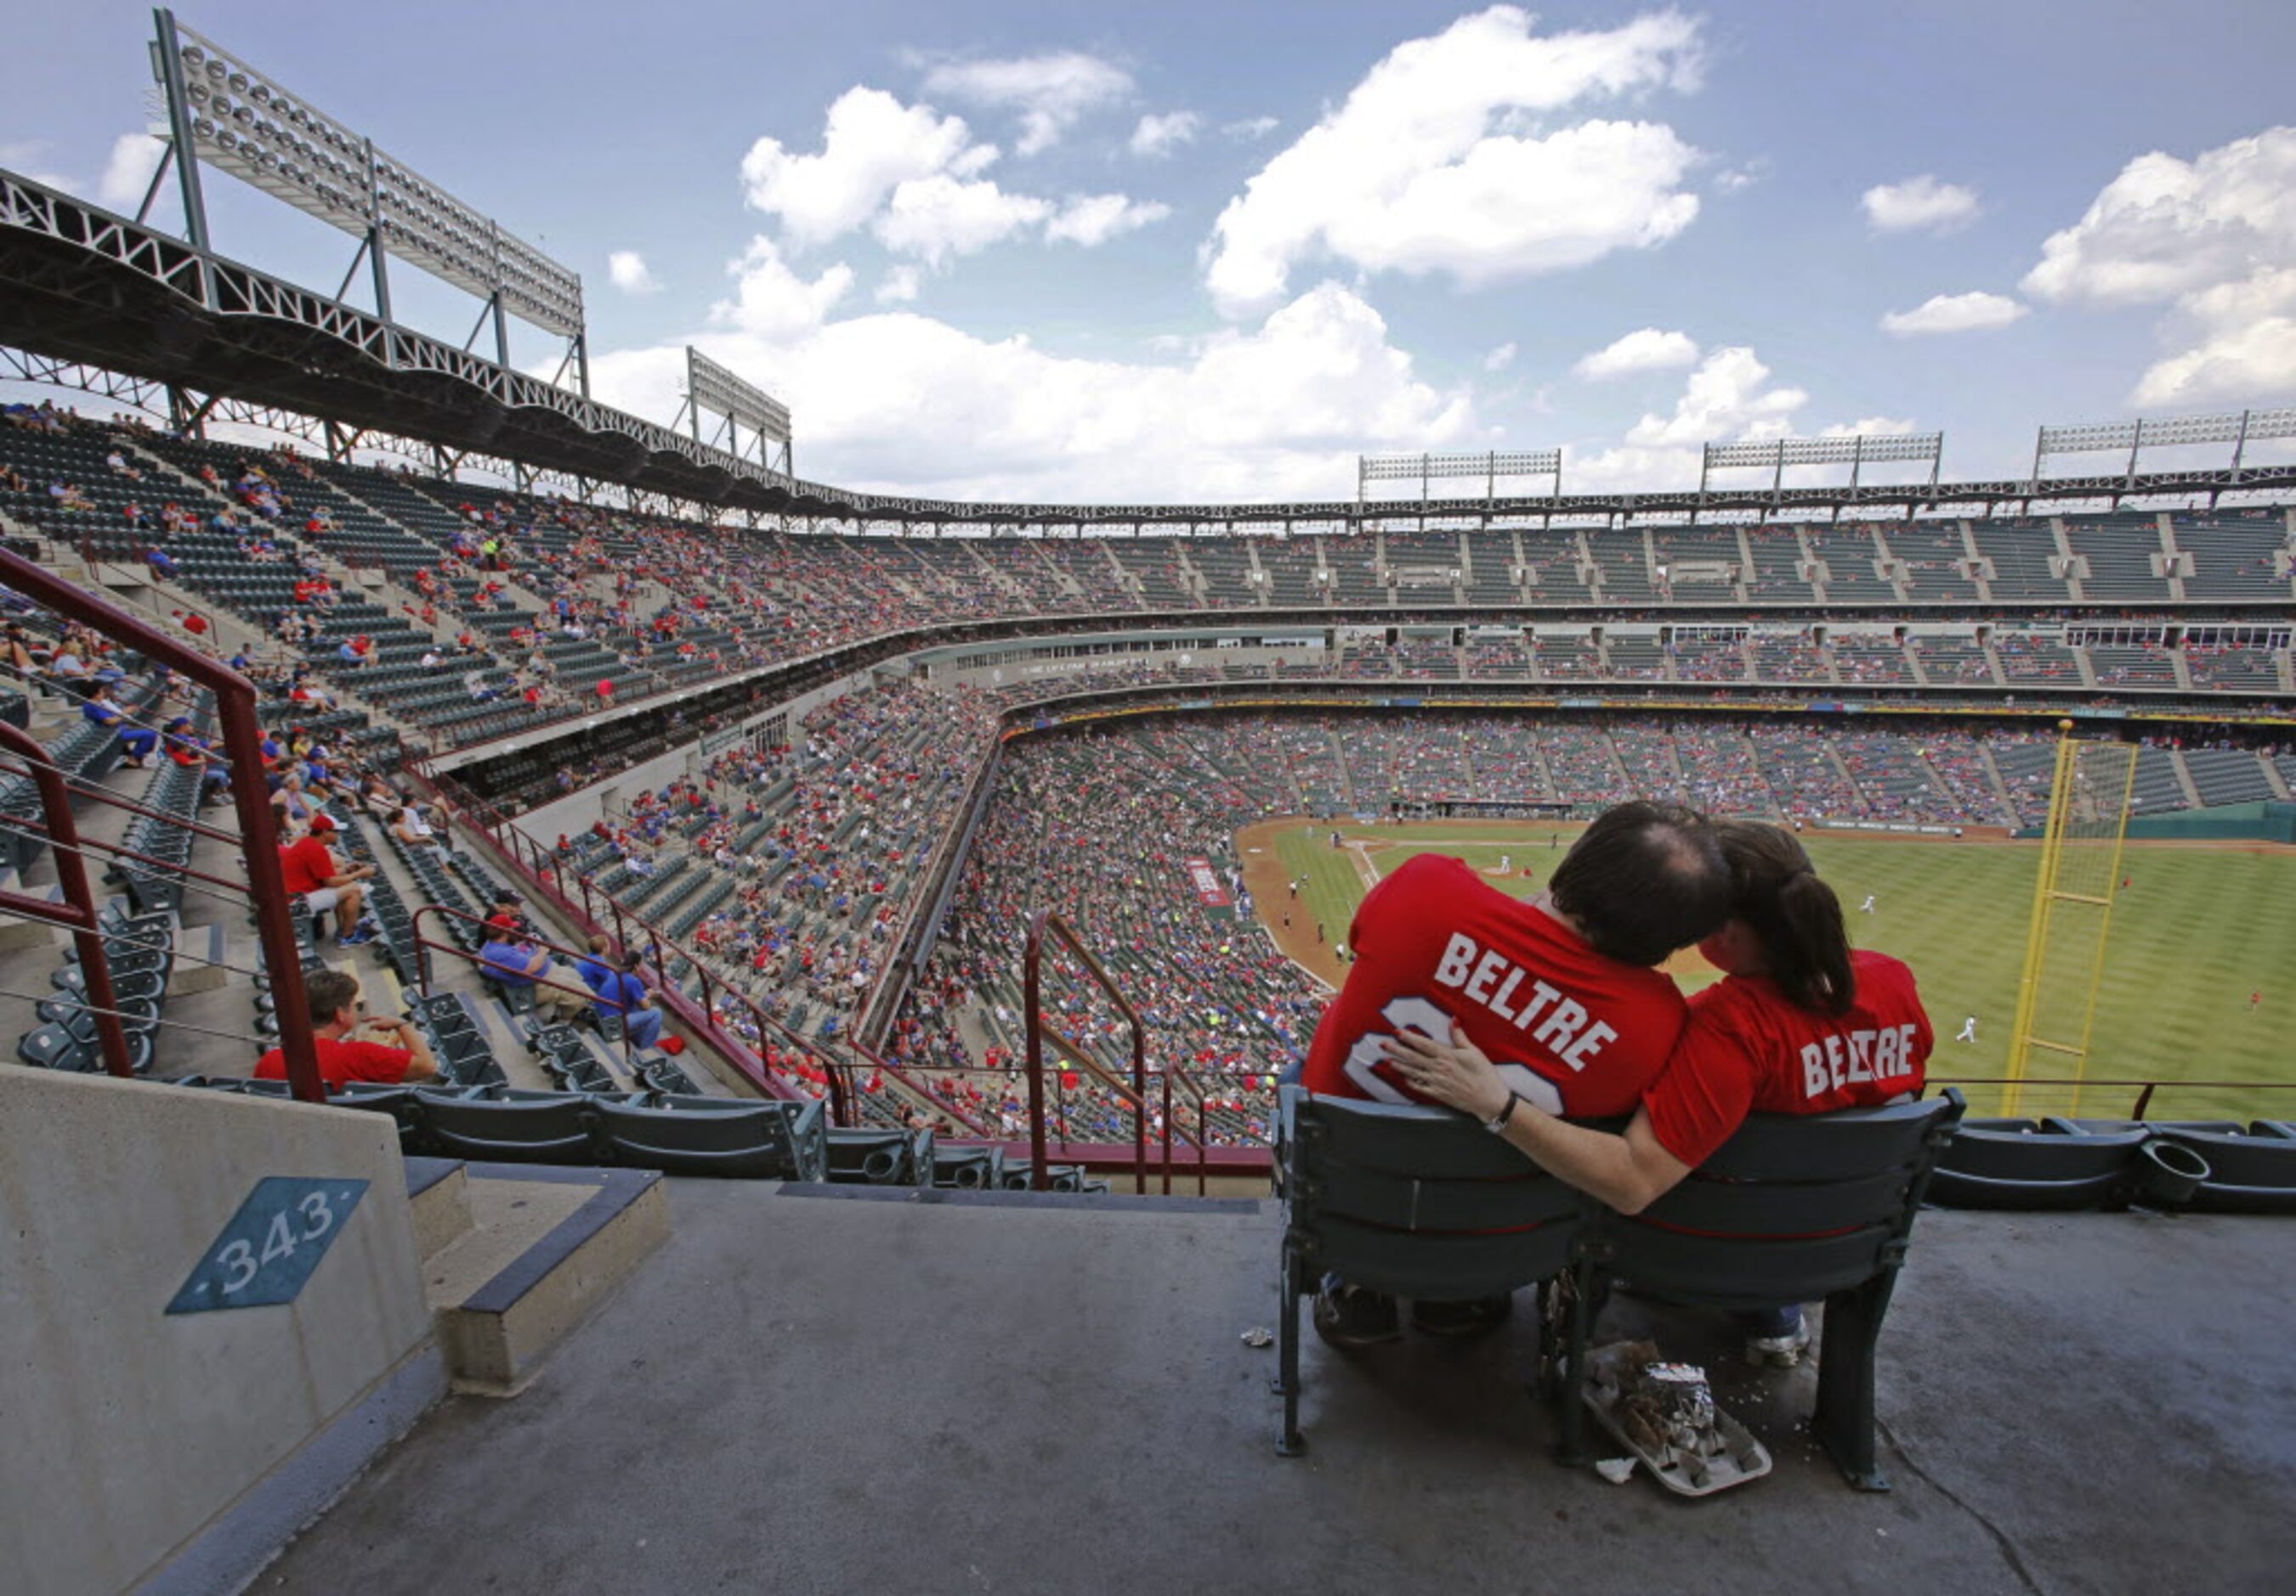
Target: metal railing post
[
  {"x": 1032, "y": 956},
  {"x": 71, "y": 874}
]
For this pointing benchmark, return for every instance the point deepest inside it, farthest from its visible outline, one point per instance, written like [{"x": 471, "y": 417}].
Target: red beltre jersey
[
  {"x": 1748, "y": 1050},
  {"x": 1573, "y": 1032}
]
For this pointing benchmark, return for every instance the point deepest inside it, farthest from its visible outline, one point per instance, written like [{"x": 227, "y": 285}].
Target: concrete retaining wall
[{"x": 133, "y": 1436}]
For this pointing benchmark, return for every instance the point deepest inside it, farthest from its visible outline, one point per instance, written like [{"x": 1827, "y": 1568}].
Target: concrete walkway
[{"x": 806, "y": 1393}]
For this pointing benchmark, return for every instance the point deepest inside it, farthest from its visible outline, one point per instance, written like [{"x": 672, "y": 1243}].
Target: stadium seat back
[
  {"x": 553, "y": 1131},
  {"x": 1417, "y": 1201},
  {"x": 1828, "y": 1197},
  {"x": 759, "y": 1141}
]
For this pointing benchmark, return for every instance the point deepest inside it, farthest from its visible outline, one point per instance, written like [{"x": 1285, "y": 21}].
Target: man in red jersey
[
  {"x": 336, "y": 1011},
  {"x": 1801, "y": 1025},
  {"x": 1559, "y": 990}
]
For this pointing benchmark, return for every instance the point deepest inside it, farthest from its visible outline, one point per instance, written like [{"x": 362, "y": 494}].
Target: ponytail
[{"x": 1793, "y": 914}]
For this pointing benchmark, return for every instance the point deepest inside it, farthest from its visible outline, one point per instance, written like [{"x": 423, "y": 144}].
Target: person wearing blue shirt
[
  {"x": 511, "y": 964},
  {"x": 595, "y": 967},
  {"x": 104, "y": 711},
  {"x": 624, "y": 994}
]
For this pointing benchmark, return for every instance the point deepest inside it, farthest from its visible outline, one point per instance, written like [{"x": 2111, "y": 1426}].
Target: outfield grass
[{"x": 2194, "y": 935}]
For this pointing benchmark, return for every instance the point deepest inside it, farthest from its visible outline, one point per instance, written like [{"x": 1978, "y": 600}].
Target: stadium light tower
[
  {"x": 228, "y": 114},
  {"x": 1856, "y": 452},
  {"x": 736, "y": 404},
  {"x": 1429, "y": 468},
  {"x": 2239, "y": 428}
]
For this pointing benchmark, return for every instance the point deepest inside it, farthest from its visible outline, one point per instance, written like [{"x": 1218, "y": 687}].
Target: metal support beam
[{"x": 169, "y": 63}]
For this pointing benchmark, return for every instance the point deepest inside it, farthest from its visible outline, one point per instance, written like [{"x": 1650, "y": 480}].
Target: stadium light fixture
[
  {"x": 1427, "y": 469},
  {"x": 2239, "y": 428},
  {"x": 1858, "y": 451},
  {"x": 715, "y": 389},
  {"x": 235, "y": 118}
]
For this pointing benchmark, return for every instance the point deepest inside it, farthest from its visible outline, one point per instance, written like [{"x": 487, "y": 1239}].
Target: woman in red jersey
[{"x": 1799, "y": 1024}]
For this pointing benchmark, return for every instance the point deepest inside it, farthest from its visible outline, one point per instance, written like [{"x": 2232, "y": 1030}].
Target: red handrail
[
  {"x": 235, "y": 699},
  {"x": 1047, "y": 924},
  {"x": 79, "y": 911}
]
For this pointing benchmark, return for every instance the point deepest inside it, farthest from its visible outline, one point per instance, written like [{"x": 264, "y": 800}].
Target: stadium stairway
[{"x": 515, "y": 1257}]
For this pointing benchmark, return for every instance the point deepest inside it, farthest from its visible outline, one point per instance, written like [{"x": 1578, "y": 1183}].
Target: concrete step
[
  {"x": 438, "y": 1194},
  {"x": 536, "y": 1249}
]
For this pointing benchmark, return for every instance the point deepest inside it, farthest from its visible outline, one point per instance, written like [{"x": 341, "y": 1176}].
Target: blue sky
[{"x": 1196, "y": 250}]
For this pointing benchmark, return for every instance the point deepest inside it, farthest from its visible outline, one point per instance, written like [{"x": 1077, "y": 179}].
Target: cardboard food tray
[{"x": 1740, "y": 1458}]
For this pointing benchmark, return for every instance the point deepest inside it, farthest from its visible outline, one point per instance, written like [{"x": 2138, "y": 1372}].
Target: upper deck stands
[
  {"x": 1776, "y": 575},
  {"x": 2020, "y": 553},
  {"x": 1294, "y": 571},
  {"x": 1849, "y": 553},
  {"x": 1935, "y": 560},
  {"x": 1621, "y": 564},
  {"x": 2234, "y": 556},
  {"x": 2120, "y": 551}
]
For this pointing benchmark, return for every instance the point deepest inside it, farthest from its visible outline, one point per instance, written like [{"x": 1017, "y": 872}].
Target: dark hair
[
  {"x": 328, "y": 990},
  {"x": 1792, "y": 913},
  {"x": 1643, "y": 880}
]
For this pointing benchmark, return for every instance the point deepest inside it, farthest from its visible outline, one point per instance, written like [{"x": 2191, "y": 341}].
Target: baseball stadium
[{"x": 587, "y": 1011}]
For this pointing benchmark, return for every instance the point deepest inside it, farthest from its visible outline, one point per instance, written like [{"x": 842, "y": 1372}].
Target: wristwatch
[{"x": 1497, "y": 1123}]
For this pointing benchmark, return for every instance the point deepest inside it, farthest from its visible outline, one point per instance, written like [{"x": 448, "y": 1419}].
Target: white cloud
[
  {"x": 127, "y": 171},
  {"x": 1250, "y": 128},
  {"x": 938, "y": 216},
  {"x": 1447, "y": 158},
  {"x": 1161, "y": 134},
  {"x": 870, "y": 144},
  {"x": 913, "y": 178},
  {"x": 1500, "y": 358},
  {"x": 1276, "y": 411},
  {"x": 1872, "y": 426},
  {"x": 1727, "y": 396},
  {"x": 900, "y": 286},
  {"x": 627, "y": 270},
  {"x": 2215, "y": 239},
  {"x": 1645, "y": 350},
  {"x": 2246, "y": 348},
  {"x": 1976, "y": 311},
  {"x": 1093, "y": 219},
  {"x": 1917, "y": 202},
  {"x": 2165, "y": 226},
  {"x": 772, "y": 302},
  {"x": 1051, "y": 92}
]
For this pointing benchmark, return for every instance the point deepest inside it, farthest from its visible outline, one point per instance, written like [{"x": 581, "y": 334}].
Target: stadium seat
[
  {"x": 1417, "y": 1202},
  {"x": 1789, "y": 1210},
  {"x": 2039, "y": 1165},
  {"x": 745, "y": 1140},
  {"x": 554, "y": 1130},
  {"x": 2251, "y": 1169},
  {"x": 886, "y": 1157},
  {"x": 968, "y": 1168}
]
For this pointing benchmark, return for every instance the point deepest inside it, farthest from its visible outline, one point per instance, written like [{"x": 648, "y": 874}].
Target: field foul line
[{"x": 1269, "y": 931}]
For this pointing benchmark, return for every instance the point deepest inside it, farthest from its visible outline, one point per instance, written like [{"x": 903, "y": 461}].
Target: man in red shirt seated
[
  {"x": 312, "y": 873},
  {"x": 336, "y": 1011},
  {"x": 1560, "y": 989},
  {"x": 1800, "y": 1025}
]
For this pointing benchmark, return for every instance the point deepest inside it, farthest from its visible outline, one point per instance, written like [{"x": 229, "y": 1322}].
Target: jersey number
[{"x": 1418, "y": 1014}]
